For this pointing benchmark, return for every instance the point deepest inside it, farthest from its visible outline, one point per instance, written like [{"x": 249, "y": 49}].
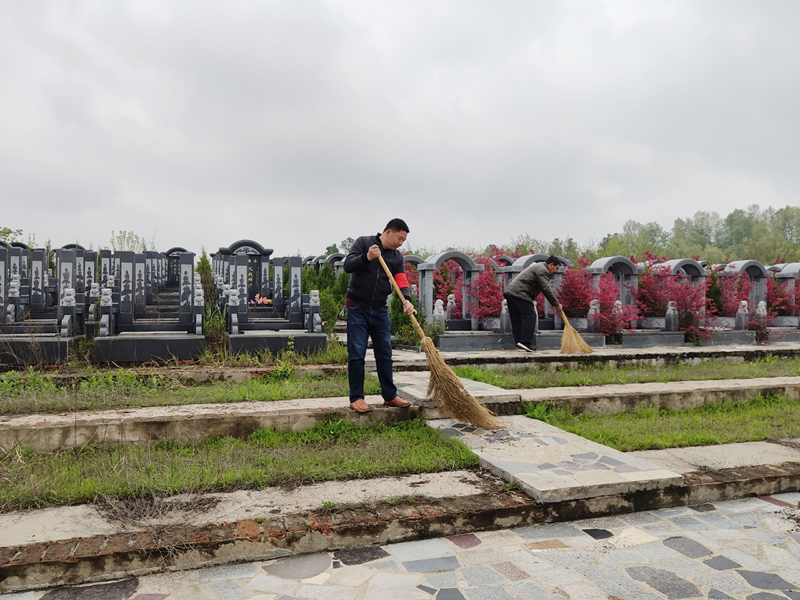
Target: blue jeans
[{"x": 361, "y": 324}]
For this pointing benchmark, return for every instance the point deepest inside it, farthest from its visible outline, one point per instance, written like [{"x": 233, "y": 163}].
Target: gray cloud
[{"x": 301, "y": 123}]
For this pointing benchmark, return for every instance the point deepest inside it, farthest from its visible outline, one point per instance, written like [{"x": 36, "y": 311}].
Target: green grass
[
  {"x": 762, "y": 418},
  {"x": 331, "y": 450},
  {"x": 600, "y": 374},
  {"x": 32, "y": 392}
]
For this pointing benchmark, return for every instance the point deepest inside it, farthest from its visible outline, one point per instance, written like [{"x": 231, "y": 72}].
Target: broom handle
[{"x": 399, "y": 293}]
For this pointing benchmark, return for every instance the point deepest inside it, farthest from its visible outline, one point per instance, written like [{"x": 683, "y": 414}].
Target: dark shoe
[
  {"x": 360, "y": 406},
  {"x": 397, "y": 402},
  {"x": 523, "y": 347}
]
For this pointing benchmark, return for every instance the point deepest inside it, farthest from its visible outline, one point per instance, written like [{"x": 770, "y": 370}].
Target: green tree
[
  {"x": 127, "y": 241},
  {"x": 332, "y": 249},
  {"x": 639, "y": 238},
  {"x": 9, "y": 235}
]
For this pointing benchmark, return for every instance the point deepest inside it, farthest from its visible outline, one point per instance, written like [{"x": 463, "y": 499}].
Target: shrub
[
  {"x": 329, "y": 309},
  {"x": 448, "y": 279},
  {"x": 780, "y": 301},
  {"x": 485, "y": 295},
  {"x": 611, "y": 320},
  {"x": 575, "y": 293},
  {"x": 734, "y": 291},
  {"x": 403, "y": 330}
]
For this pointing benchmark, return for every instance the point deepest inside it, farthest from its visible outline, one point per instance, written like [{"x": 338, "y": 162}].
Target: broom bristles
[
  {"x": 446, "y": 388},
  {"x": 572, "y": 342}
]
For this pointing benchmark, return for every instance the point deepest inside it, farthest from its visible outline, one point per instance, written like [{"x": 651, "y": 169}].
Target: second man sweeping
[{"x": 522, "y": 292}]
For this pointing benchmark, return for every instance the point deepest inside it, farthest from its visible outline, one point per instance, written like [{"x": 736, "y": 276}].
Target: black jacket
[{"x": 369, "y": 285}]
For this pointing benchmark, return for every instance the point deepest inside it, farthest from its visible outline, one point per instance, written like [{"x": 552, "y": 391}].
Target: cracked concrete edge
[{"x": 103, "y": 558}]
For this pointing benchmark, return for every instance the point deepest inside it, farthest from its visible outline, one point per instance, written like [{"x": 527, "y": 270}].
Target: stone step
[{"x": 552, "y": 465}]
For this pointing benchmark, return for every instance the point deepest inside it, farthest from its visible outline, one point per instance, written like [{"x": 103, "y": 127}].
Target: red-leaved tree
[
  {"x": 485, "y": 296},
  {"x": 612, "y": 319},
  {"x": 575, "y": 292}
]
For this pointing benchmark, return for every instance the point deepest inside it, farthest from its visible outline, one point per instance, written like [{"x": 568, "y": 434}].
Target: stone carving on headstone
[
  {"x": 94, "y": 293},
  {"x": 105, "y": 267},
  {"x": 314, "y": 323},
  {"x": 79, "y": 274},
  {"x": 13, "y": 288},
  {"x": 296, "y": 291},
  {"x": 505, "y": 318},
  {"x": 451, "y": 307},
  {"x": 671, "y": 318},
  {"x": 233, "y": 306},
  {"x": 186, "y": 290},
  {"x": 594, "y": 316},
  {"x": 439, "y": 315},
  {"x": 37, "y": 283},
  {"x": 68, "y": 298},
  {"x": 414, "y": 292},
  {"x": 23, "y": 265},
  {"x": 742, "y": 316},
  {"x": 125, "y": 286},
  {"x": 277, "y": 284},
  {"x": 242, "y": 290},
  {"x": 105, "y": 297}
]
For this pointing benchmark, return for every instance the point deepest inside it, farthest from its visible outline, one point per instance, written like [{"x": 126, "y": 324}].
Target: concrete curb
[{"x": 103, "y": 558}]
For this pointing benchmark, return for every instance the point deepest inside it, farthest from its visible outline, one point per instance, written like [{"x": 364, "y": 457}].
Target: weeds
[
  {"x": 109, "y": 389},
  {"x": 769, "y": 366},
  {"x": 330, "y": 450},
  {"x": 764, "y": 417}
]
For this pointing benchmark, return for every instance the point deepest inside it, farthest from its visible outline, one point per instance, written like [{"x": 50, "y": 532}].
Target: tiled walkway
[{"x": 742, "y": 549}]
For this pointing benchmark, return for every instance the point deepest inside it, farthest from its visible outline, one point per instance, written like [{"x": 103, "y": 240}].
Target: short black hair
[
  {"x": 553, "y": 260},
  {"x": 397, "y": 225}
]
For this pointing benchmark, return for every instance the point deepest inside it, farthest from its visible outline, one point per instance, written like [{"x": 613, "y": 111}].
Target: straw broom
[
  {"x": 571, "y": 340},
  {"x": 444, "y": 386}
]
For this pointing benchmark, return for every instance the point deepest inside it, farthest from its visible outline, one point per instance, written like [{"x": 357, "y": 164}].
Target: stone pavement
[
  {"x": 551, "y": 465},
  {"x": 741, "y": 549}
]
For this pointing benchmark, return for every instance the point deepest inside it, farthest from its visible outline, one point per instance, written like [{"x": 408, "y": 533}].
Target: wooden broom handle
[{"x": 399, "y": 293}]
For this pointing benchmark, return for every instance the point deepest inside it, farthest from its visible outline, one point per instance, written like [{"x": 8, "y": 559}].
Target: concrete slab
[
  {"x": 413, "y": 386},
  {"x": 85, "y": 520},
  {"x": 724, "y": 456},
  {"x": 552, "y": 465}
]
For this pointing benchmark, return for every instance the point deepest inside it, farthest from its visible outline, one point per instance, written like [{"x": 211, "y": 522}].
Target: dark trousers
[
  {"x": 364, "y": 323},
  {"x": 523, "y": 319}
]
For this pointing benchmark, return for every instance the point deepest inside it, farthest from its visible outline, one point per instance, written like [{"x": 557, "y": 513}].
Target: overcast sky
[{"x": 299, "y": 123}]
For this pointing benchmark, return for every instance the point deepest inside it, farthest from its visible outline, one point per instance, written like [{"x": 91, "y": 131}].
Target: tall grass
[{"x": 330, "y": 450}]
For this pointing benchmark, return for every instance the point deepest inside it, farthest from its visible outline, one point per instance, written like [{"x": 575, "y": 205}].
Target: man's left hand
[{"x": 409, "y": 307}]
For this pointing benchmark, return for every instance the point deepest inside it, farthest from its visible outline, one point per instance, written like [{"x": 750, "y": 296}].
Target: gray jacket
[{"x": 531, "y": 282}]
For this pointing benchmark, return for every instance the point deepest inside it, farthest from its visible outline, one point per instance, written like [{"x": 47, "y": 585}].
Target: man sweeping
[
  {"x": 367, "y": 314},
  {"x": 522, "y": 292}
]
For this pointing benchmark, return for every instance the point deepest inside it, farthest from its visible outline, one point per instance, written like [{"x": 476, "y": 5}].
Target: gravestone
[
  {"x": 89, "y": 269},
  {"x": 241, "y": 266},
  {"x": 37, "y": 281},
  {"x": 139, "y": 287},
  {"x": 186, "y": 294},
  {"x": 105, "y": 267},
  {"x": 126, "y": 284},
  {"x": 295, "y": 290},
  {"x": 278, "y": 301}
]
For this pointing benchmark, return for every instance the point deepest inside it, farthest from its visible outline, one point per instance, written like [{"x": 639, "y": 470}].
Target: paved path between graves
[{"x": 742, "y": 549}]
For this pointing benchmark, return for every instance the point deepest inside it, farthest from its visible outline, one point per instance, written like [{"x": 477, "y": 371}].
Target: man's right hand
[{"x": 373, "y": 252}]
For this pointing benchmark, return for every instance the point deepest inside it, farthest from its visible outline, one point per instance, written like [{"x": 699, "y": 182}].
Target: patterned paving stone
[
  {"x": 228, "y": 572},
  {"x": 765, "y": 596},
  {"x": 275, "y": 585},
  {"x": 450, "y": 594},
  {"x": 359, "y": 556},
  {"x": 469, "y": 540},
  {"x": 446, "y": 579},
  {"x": 687, "y": 547},
  {"x": 547, "y": 545},
  {"x": 621, "y": 579},
  {"x": 768, "y": 537},
  {"x": 724, "y": 581},
  {"x": 689, "y": 523},
  {"x": 489, "y": 593},
  {"x": 328, "y": 592},
  {"x": 147, "y": 597},
  {"x": 482, "y": 576},
  {"x": 745, "y": 560},
  {"x": 718, "y": 595},
  {"x": 424, "y": 549},
  {"x": 428, "y": 565},
  {"x": 669, "y": 584},
  {"x": 721, "y": 563},
  {"x": 658, "y": 551},
  {"x": 552, "y": 531},
  {"x": 598, "y": 534},
  {"x": 623, "y": 557},
  {"x": 299, "y": 567},
  {"x": 228, "y": 590},
  {"x": 510, "y": 571},
  {"x": 765, "y": 581}
]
